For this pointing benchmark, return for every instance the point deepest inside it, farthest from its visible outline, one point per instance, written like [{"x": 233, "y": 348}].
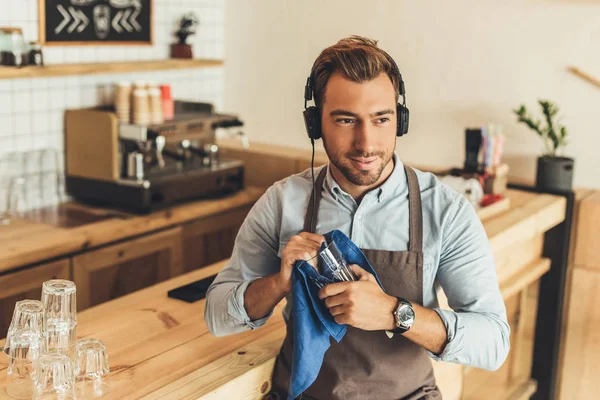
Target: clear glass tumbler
[
  {"x": 60, "y": 316},
  {"x": 91, "y": 367},
  {"x": 330, "y": 262},
  {"x": 23, "y": 354},
  {"x": 24, "y": 343},
  {"x": 55, "y": 378}
]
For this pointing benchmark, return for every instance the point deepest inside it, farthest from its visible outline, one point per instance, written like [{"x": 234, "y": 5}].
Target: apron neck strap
[
  {"x": 310, "y": 220},
  {"x": 415, "y": 243},
  {"x": 414, "y": 203}
]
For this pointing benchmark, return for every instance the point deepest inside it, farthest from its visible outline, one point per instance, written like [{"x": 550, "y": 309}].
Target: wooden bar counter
[{"x": 160, "y": 348}]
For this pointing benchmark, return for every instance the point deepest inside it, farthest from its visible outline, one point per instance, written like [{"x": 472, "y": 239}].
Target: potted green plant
[
  {"x": 187, "y": 26},
  {"x": 554, "y": 171}
]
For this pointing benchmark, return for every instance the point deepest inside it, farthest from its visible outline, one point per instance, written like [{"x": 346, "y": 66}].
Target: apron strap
[
  {"x": 415, "y": 241},
  {"x": 414, "y": 203},
  {"x": 310, "y": 221}
]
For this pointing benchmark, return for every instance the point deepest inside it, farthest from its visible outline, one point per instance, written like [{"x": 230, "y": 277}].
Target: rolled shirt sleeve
[
  {"x": 254, "y": 256},
  {"x": 477, "y": 328}
]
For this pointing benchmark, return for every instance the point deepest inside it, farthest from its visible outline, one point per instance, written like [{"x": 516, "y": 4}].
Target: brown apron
[{"x": 368, "y": 364}]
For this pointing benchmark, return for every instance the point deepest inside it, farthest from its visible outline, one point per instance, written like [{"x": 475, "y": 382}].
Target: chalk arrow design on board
[
  {"x": 124, "y": 21},
  {"x": 115, "y": 22},
  {"x": 85, "y": 21},
  {"x": 133, "y": 21},
  {"x": 65, "y": 21},
  {"x": 76, "y": 20}
]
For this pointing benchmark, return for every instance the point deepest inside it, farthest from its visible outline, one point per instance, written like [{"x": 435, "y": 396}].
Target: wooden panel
[
  {"x": 520, "y": 280},
  {"x": 580, "y": 195},
  {"x": 211, "y": 239},
  {"x": 26, "y": 284},
  {"x": 524, "y": 334},
  {"x": 530, "y": 215},
  {"x": 91, "y": 140},
  {"x": 582, "y": 340},
  {"x": 262, "y": 169},
  {"x": 515, "y": 257},
  {"x": 114, "y": 271},
  {"x": 512, "y": 380},
  {"x": 570, "y": 295},
  {"x": 105, "y": 68},
  {"x": 587, "y": 249}
]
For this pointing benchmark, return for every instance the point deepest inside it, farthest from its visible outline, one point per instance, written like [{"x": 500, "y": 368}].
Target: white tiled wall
[{"x": 31, "y": 110}]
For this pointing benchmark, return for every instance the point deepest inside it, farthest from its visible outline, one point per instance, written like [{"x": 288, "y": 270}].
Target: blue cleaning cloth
[{"x": 313, "y": 324}]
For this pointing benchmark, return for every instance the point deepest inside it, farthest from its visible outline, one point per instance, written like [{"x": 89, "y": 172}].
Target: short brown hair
[{"x": 358, "y": 59}]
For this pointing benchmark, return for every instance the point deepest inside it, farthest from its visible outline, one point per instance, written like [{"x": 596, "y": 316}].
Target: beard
[{"x": 356, "y": 176}]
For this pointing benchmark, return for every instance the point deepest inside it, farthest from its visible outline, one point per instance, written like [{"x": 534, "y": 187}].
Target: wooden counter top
[
  {"x": 154, "y": 342},
  {"x": 27, "y": 241},
  {"x": 160, "y": 348}
]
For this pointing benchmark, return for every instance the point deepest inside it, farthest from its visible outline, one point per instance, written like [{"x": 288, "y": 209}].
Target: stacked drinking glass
[
  {"x": 45, "y": 358},
  {"x": 24, "y": 345}
]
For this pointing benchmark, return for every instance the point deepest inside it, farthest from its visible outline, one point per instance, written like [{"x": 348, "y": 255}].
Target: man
[{"x": 414, "y": 230}]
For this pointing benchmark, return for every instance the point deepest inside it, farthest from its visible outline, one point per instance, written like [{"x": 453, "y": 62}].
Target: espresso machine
[{"x": 142, "y": 168}]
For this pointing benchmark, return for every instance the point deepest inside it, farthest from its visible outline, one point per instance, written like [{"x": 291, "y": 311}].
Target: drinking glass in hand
[{"x": 331, "y": 263}]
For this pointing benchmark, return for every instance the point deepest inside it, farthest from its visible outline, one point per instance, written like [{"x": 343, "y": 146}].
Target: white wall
[
  {"x": 465, "y": 63},
  {"x": 31, "y": 110}
]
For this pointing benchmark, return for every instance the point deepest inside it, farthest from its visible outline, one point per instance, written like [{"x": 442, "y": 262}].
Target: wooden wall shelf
[{"x": 105, "y": 68}]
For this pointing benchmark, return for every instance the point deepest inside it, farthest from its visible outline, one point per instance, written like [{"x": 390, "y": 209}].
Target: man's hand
[
  {"x": 361, "y": 304},
  {"x": 303, "y": 246}
]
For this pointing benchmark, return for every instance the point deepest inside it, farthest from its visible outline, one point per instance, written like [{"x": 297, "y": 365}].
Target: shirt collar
[{"x": 397, "y": 179}]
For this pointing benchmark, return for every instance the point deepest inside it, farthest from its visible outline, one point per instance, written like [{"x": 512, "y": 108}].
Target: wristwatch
[{"x": 404, "y": 316}]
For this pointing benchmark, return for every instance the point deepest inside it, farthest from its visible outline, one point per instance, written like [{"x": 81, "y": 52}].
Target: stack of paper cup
[
  {"x": 139, "y": 85},
  {"x": 141, "y": 112},
  {"x": 155, "y": 106},
  {"x": 123, "y": 101}
]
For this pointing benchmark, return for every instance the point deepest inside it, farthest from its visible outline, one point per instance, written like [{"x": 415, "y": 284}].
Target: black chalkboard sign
[{"x": 95, "y": 22}]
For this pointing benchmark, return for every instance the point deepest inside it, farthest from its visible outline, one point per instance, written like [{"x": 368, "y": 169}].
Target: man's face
[{"x": 359, "y": 127}]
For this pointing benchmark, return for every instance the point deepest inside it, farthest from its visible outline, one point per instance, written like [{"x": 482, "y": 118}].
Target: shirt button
[{"x": 359, "y": 216}]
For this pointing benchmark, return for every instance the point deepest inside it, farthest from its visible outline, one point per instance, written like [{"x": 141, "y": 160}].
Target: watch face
[{"x": 406, "y": 315}]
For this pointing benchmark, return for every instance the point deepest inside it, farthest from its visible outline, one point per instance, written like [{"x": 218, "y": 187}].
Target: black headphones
[{"x": 312, "y": 116}]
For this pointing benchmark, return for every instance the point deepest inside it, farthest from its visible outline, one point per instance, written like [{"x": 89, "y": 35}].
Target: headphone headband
[{"x": 308, "y": 88}]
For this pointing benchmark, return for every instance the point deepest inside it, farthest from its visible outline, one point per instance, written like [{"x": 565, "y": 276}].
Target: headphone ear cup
[
  {"x": 312, "y": 121},
  {"x": 403, "y": 115}
]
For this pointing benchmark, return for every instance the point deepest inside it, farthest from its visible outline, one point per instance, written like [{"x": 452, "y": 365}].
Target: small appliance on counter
[{"x": 142, "y": 168}]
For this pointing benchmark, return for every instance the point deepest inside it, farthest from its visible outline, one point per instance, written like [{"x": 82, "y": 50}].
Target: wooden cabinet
[
  {"x": 209, "y": 240},
  {"x": 26, "y": 284},
  {"x": 116, "y": 270},
  {"x": 580, "y": 339}
]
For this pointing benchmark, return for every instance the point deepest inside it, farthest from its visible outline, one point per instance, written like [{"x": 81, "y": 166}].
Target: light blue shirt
[{"x": 457, "y": 256}]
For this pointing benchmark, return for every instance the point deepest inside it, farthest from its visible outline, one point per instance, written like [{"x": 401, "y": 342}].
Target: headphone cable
[{"x": 312, "y": 169}]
